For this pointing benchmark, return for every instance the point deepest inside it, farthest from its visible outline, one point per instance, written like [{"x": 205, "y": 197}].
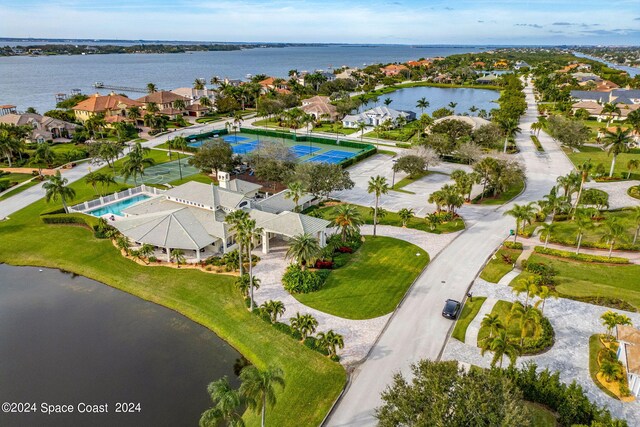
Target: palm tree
[
  {"x": 146, "y": 250},
  {"x": 387, "y": 101},
  {"x": 296, "y": 191},
  {"x": 501, "y": 346},
  {"x": 124, "y": 244},
  {"x": 236, "y": 219},
  {"x": 522, "y": 213},
  {"x": 177, "y": 255},
  {"x": 616, "y": 142},
  {"x": 585, "y": 169},
  {"x": 361, "y": 126},
  {"x": 244, "y": 282},
  {"x": 135, "y": 163},
  {"x": 348, "y": 219},
  {"x": 611, "y": 319},
  {"x": 305, "y": 324},
  {"x": 379, "y": 186},
  {"x": 405, "y": 215},
  {"x": 43, "y": 154},
  {"x": 611, "y": 370},
  {"x": 198, "y": 84},
  {"x": 56, "y": 188},
  {"x": 422, "y": 104},
  {"x": 330, "y": 341},
  {"x": 537, "y": 127},
  {"x": 548, "y": 228},
  {"x": 632, "y": 164},
  {"x": 303, "y": 248},
  {"x": 544, "y": 293},
  {"x": 133, "y": 113},
  {"x": 569, "y": 184},
  {"x": 105, "y": 181},
  {"x": 179, "y": 143},
  {"x": 510, "y": 128},
  {"x": 582, "y": 222},
  {"x": 613, "y": 231},
  {"x": 635, "y": 219},
  {"x": 250, "y": 233},
  {"x": 258, "y": 387},
  {"x": 528, "y": 287},
  {"x": 151, "y": 87},
  {"x": 179, "y": 104},
  {"x": 274, "y": 309},
  {"x": 493, "y": 323},
  {"x": 611, "y": 108},
  {"x": 205, "y": 102},
  {"x": 453, "y": 105},
  {"x": 227, "y": 405},
  {"x": 473, "y": 109},
  {"x": 529, "y": 319}
]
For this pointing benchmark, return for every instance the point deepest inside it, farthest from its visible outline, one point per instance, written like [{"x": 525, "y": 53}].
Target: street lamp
[{"x": 393, "y": 180}]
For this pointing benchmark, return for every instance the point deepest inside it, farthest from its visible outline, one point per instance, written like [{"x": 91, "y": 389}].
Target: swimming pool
[{"x": 117, "y": 207}]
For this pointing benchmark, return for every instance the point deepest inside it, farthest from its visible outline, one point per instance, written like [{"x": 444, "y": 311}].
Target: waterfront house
[
  {"x": 7, "y": 109},
  {"x": 393, "y": 70},
  {"x": 489, "y": 79},
  {"x": 586, "y": 77},
  {"x": 626, "y": 99},
  {"x": 629, "y": 355},
  {"x": 164, "y": 99},
  {"x": 44, "y": 128},
  {"x": 377, "y": 116},
  {"x": 107, "y": 105},
  {"x": 422, "y": 63},
  {"x": 346, "y": 73},
  {"x": 320, "y": 108},
  {"x": 191, "y": 217},
  {"x": 271, "y": 83},
  {"x": 193, "y": 95}
]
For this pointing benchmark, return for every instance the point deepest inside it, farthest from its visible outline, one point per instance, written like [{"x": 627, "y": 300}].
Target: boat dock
[{"x": 100, "y": 85}]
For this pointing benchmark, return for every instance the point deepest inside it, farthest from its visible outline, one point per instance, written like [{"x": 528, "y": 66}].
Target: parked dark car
[{"x": 451, "y": 309}]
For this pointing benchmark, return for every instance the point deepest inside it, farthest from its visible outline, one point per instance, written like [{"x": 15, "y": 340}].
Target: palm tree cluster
[
  {"x": 247, "y": 234},
  {"x": 523, "y": 214},
  {"x": 306, "y": 324},
  {"x": 12, "y": 141},
  {"x": 94, "y": 178},
  {"x": 136, "y": 162},
  {"x": 257, "y": 391}
]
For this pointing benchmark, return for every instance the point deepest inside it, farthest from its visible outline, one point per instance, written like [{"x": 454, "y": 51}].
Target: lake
[
  {"x": 33, "y": 81},
  {"x": 406, "y": 99},
  {"x": 67, "y": 339}
]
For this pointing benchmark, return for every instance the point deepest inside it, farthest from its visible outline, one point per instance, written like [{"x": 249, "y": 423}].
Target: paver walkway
[
  {"x": 573, "y": 323},
  {"x": 617, "y": 191},
  {"x": 359, "y": 335},
  {"x": 471, "y": 337}
]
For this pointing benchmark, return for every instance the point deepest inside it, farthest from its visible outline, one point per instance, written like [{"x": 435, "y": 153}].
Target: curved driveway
[{"x": 417, "y": 329}]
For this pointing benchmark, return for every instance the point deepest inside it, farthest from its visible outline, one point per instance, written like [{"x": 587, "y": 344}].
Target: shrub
[
  {"x": 324, "y": 265},
  {"x": 153, "y": 259},
  {"x": 64, "y": 219},
  {"x": 544, "y": 273},
  {"x": 544, "y": 342},
  {"x": 580, "y": 257},
  {"x": 4, "y": 184},
  {"x": 634, "y": 191},
  {"x": 345, "y": 250},
  {"x": 512, "y": 245},
  {"x": 296, "y": 280}
]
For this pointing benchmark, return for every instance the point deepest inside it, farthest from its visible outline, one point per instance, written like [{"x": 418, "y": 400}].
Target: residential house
[
  {"x": 194, "y": 95},
  {"x": 192, "y": 217},
  {"x": 422, "y": 63},
  {"x": 377, "y": 116},
  {"x": 44, "y": 128},
  {"x": 479, "y": 65},
  {"x": 271, "y": 83},
  {"x": 346, "y": 73},
  {"x": 111, "y": 105},
  {"x": 489, "y": 79},
  {"x": 7, "y": 109},
  {"x": 586, "y": 77},
  {"x": 393, "y": 70},
  {"x": 629, "y": 355},
  {"x": 501, "y": 64},
  {"x": 165, "y": 100},
  {"x": 520, "y": 65},
  {"x": 320, "y": 108},
  {"x": 575, "y": 66},
  {"x": 626, "y": 99}
]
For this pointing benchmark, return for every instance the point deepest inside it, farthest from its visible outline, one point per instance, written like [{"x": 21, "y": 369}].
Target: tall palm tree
[
  {"x": 258, "y": 387},
  {"x": 544, "y": 293},
  {"x": 305, "y": 324},
  {"x": 133, "y": 113},
  {"x": 493, "y": 323},
  {"x": 105, "y": 181},
  {"x": 529, "y": 319},
  {"x": 56, "y": 188},
  {"x": 422, "y": 103},
  {"x": 361, "y": 126},
  {"x": 303, "y": 248},
  {"x": 179, "y": 143},
  {"x": 330, "y": 341},
  {"x": 205, "y": 102},
  {"x": 251, "y": 234},
  {"x": 616, "y": 142},
  {"x": 613, "y": 231},
  {"x": 453, "y": 105},
  {"x": 198, "y": 84},
  {"x": 227, "y": 404},
  {"x": 387, "y": 101},
  {"x": 584, "y": 169},
  {"x": 244, "y": 282},
  {"x": 296, "y": 191},
  {"x": 582, "y": 222},
  {"x": 92, "y": 179},
  {"x": 274, "y": 309},
  {"x": 348, "y": 219},
  {"x": 510, "y": 128},
  {"x": 501, "y": 346},
  {"x": 526, "y": 286},
  {"x": 522, "y": 214},
  {"x": 135, "y": 162},
  {"x": 611, "y": 109},
  {"x": 235, "y": 219},
  {"x": 547, "y": 229},
  {"x": 378, "y": 186}
]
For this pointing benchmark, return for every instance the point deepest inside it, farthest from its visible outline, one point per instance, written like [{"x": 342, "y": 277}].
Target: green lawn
[
  {"x": 599, "y": 156},
  {"x": 313, "y": 381},
  {"x": 408, "y": 180},
  {"x": 595, "y": 345},
  {"x": 566, "y": 232},
  {"x": 540, "y": 415},
  {"x": 372, "y": 282},
  {"x": 19, "y": 189},
  {"x": 498, "y": 266},
  {"x": 469, "y": 312},
  {"x": 501, "y": 198},
  {"x": 392, "y": 218},
  {"x": 591, "y": 282},
  {"x": 200, "y": 177},
  {"x": 328, "y": 128},
  {"x": 16, "y": 177},
  {"x": 402, "y": 134}
]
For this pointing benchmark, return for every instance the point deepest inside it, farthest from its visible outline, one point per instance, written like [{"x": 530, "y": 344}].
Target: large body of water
[
  {"x": 632, "y": 71},
  {"x": 66, "y": 339},
  {"x": 33, "y": 81},
  {"x": 406, "y": 99}
]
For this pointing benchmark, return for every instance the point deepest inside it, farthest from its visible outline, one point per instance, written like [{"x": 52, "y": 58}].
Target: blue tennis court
[
  {"x": 245, "y": 148},
  {"x": 196, "y": 144},
  {"x": 234, "y": 138},
  {"x": 303, "y": 150},
  {"x": 331, "y": 156}
]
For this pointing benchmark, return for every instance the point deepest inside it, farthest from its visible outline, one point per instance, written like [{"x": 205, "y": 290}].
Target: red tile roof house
[
  {"x": 268, "y": 84},
  {"x": 320, "y": 108},
  {"x": 163, "y": 99},
  {"x": 392, "y": 70},
  {"x": 108, "y": 105}
]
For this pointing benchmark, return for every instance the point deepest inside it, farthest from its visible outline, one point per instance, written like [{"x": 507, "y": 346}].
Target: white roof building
[{"x": 376, "y": 116}]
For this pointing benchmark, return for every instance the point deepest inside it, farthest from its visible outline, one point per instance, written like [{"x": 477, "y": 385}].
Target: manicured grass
[
  {"x": 199, "y": 177},
  {"x": 566, "y": 232},
  {"x": 18, "y": 189},
  {"x": 410, "y": 180},
  {"x": 328, "y": 128},
  {"x": 536, "y": 142},
  {"x": 392, "y": 218},
  {"x": 388, "y": 153},
  {"x": 469, "y": 312},
  {"x": 595, "y": 345},
  {"x": 16, "y": 177},
  {"x": 501, "y": 198},
  {"x": 581, "y": 280},
  {"x": 599, "y": 156},
  {"x": 313, "y": 381},
  {"x": 372, "y": 282},
  {"x": 540, "y": 415},
  {"x": 498, "y": 266},
  {"x": 402, "y": 134}
]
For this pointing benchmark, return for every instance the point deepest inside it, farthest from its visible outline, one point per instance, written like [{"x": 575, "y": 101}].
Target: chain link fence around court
[{"x": 163, "y": 173}]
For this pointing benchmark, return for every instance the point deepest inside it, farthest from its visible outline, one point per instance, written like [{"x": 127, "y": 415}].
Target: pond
[
  {"x": 406, "y": 99},
  {"x": 67, "y": 339}
]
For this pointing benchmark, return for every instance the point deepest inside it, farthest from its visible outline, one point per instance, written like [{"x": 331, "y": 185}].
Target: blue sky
[{"x": 349, "y": 21}]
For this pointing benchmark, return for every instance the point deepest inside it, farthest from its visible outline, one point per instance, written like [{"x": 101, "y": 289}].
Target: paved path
[
  {"x": 573, "y": 322},
  {"x": 359, "y": 335},
  {"x": 507, "y": 278},
  {"x": 417, "y": 329},
  {"x": 471, "y": 336}
]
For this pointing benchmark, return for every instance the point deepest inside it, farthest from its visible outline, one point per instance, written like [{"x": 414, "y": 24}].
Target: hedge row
[
  {"x": 580, "y": 257},
  {"x": 595, "y": 245},
  {"x": 64, "y": 219},
  {"x": 513, "y": 245}
]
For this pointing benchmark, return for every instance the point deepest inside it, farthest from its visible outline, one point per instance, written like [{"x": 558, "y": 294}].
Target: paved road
[
  {"x": 417, "y": 330},
  {"x": 35, "y": 193}
]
